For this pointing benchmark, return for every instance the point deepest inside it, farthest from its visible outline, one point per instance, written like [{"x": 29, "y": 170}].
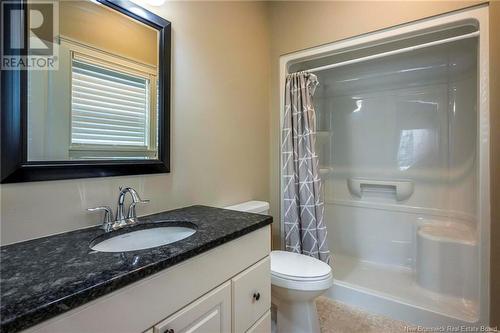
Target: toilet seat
[
  {"x": 300, "y": 272},
  {"x": 301, "y": 285}
]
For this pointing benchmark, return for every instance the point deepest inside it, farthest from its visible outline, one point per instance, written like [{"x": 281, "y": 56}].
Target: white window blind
[{"x": 109, "y": 108}]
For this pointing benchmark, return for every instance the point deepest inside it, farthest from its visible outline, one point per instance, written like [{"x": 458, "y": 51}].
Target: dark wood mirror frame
[{"x": 15, "y": 166}]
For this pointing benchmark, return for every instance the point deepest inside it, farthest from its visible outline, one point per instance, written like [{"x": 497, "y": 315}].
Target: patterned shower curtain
[{"x": 304, "y": 228}]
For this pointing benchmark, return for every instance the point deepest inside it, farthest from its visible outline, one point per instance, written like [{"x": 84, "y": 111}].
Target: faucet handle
[
  {"x": 132, "y": 215},
  {"x": 108, "y": 216}
]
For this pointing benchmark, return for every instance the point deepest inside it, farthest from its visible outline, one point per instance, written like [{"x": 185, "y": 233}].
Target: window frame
[{"x": 100, "y": 58}]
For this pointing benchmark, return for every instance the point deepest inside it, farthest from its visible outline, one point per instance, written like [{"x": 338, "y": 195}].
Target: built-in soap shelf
[
  {"x": 322, "y": 134},
  {"x": 402, "y": 189},
  {"x": 325, "y": 171}
]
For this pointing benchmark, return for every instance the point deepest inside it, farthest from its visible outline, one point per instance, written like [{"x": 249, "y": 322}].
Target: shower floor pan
[{"x": 393, "y": 292}]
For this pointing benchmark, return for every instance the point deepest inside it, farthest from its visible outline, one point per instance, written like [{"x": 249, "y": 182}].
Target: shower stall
[{"x": 402, "y": 139}]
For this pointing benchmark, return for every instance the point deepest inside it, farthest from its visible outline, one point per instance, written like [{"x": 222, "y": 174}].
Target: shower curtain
[{"x": 304, "y": 228}]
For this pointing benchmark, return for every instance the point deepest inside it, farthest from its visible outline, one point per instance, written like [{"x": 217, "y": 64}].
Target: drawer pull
[
  {"x": 256, "y": 296},
  {"x": 170, "y": 330}
]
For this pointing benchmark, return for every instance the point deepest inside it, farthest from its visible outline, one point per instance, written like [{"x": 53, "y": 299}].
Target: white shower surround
[{"x": 383, "y": 304}]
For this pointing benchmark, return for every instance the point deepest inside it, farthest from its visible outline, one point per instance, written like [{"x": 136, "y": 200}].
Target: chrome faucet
[
  {"x": 120, "y": 212},
  {"x": 121, "y": 221}
]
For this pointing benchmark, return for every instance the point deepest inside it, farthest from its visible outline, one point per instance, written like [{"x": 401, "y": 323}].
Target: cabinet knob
[
  {"x": 170, "y": 330},
  {"x": 256, "y": 296}
]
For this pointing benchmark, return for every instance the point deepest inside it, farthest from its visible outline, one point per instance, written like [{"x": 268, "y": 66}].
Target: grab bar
[{"x": 402, "y": 188}]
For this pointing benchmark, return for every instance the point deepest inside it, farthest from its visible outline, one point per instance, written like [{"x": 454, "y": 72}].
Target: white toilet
[{"x": 296, "y": 281}]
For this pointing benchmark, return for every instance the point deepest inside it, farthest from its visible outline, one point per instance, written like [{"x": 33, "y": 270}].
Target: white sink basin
[{"x": 143, "y": 239}]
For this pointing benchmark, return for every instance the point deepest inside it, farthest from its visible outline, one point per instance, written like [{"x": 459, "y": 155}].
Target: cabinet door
[
  {"x": 263, "y": 325},
  {"x": 251, "y": 295},
  {"x": 210, "y": 313}
]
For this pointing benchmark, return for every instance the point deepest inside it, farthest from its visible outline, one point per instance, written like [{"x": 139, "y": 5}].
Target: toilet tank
[{"x": 259, "y": 207}]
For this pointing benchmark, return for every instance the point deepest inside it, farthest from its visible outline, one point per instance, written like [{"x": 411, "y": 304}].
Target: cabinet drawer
[
  {"x": 210, "y": 313},
  {"x": 251, "y": 295},
  {"x": 263, "y": 325}
]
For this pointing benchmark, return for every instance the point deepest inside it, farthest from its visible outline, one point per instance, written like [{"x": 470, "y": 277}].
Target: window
[
  {"x": 108, "y": 107},
  {"x": 113, "y": 109}
]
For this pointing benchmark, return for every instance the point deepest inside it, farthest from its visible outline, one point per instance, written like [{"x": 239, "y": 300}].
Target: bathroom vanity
[{"x": 216, "y": 280}]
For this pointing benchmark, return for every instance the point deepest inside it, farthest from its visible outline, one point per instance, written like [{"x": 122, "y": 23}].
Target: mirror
[
  {"x": 101, "y": 102},
  {"x": 103, "y": 108}
]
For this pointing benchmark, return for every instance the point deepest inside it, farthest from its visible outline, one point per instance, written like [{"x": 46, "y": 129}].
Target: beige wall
[
  {"x": 302, "y": 24},
  {"x": 98, "y": 26},
  {"x": 220, "y": 128},
  {"x": 495, "y": 161}
]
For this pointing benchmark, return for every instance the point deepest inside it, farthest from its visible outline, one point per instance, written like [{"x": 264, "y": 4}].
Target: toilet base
[
  {"x": 297, "y": 317},
  {"x": 296, "y": 310}
]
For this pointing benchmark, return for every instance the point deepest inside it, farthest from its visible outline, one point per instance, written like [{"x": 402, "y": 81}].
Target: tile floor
[{"x": 336, "y": 317}]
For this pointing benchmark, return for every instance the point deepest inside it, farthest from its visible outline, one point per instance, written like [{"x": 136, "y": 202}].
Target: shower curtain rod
[{"x": 398, "y": 51}]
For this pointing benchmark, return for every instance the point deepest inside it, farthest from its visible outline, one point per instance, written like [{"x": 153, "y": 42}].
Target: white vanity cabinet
[
  {"x": 236, "y": 306},
  {"x": 226, "y": 289},
  {"x": 208, "y": 314},
  {"x": 251, "y": 294},
  {"x": 263, "y": 325}
]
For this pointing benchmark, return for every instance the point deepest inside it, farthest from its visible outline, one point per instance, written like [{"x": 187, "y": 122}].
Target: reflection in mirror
[{"x": 102, "y": 101}]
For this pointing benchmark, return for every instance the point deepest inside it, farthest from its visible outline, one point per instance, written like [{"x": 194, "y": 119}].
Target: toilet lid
[{"x": 298, "y": 266}]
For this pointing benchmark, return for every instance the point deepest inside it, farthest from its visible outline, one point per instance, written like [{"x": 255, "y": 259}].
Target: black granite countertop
[{"x": 44, "y": 277}]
